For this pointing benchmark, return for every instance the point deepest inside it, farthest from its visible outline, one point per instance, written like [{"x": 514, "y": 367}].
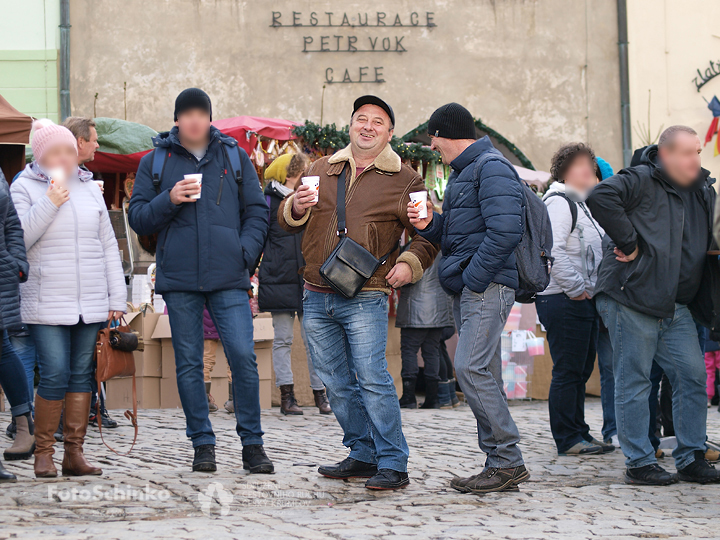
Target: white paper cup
[
  {"x": 57, "y": 177},
  {"x": 100, "y": 184},
  {"x": 314, "y": 183},
  {"x": 198, "y": 178},
  {"x": 419, "y": 201}
]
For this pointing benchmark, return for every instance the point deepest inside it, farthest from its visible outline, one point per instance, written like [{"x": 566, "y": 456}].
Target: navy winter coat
[
  {"x": 13, "y": 260},
  {"x": 202, "y": 246},
  {"x": 481, "y": 224}
]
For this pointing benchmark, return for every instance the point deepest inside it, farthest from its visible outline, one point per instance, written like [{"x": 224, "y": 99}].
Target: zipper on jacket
[
  {"x": 222, "y": 182},
  {"x": 77, "y": 259},
  {"x": 639, "y": 260}
]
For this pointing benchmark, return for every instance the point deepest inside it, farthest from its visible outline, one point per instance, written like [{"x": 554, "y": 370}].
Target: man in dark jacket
[
  {"x": 209, "y": 235},
  {"x": 658, "y": 216},
  {"x": 478, "y": 231}
]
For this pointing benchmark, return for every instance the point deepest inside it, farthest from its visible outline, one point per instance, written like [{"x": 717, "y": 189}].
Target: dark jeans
[
  {"x": 607, "y": 384},
  {"x": 230, "y": 311},
  {"x": 572, "y": 332},
  {"x": 65, "y": 354},
  {"x": 12, "y": 378},
  {"x": 427, "y": 340},
  {"x": 446, "y": 366}
]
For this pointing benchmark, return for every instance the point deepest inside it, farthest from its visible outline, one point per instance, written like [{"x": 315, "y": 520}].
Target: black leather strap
[{"x": 342, "y": 227}]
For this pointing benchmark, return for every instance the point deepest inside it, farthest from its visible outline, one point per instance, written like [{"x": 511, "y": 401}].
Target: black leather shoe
[
  {"x": 492, "y": 479},
  {"x": 204, "y": 458},
  {"x": 5, "y": 475},
  {"x": 349, "y": 468},
  {"x": 699, "y": 471},
  {"x": 649, "y": 475},
  {"x": 388, "y": 479},
  {"x": 107, "y": 421},
  {"x": 255, "y": 460}
]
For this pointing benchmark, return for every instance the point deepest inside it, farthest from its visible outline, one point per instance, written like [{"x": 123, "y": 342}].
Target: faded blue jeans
[
  {"x": 479, "y": 372},
  {"x": 346, "y": 340},
  {"x": 230, "y": 311},
  {"x": 673, "y": 343}
]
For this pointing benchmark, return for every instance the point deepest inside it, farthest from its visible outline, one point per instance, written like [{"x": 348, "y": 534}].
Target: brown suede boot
[
  {"x": 288, "y": 404},
  {"x": 24, "y": 444},
  {"x": 77, "y": 414},
  {"x": 321, "y": 401},
  {"x": 47, "y": 418}
]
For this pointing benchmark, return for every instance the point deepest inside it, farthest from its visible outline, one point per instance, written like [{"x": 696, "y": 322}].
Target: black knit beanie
[
  {"x": 192, "y": 98},
  {"x": 452, "y": 121}
]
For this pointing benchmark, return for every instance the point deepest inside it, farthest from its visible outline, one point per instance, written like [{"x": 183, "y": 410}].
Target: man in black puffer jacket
[
  {"x": 281, "y": 284},
  {"x": 659, "y": 218}
]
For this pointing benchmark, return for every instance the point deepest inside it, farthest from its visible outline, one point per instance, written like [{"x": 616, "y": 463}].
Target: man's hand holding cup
[
  {"x": 305, "y": 197},
  {"x": 415, "y": 213},
  {"x": 186, "y": 190}
]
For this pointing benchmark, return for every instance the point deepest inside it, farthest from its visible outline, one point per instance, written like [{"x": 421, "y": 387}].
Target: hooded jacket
[
  {"x": 280, "y": 274},
  {"x": 639, "y": 207},
  {"x": 75, "y": 267},
  {"x": 206, "y": 245},
  {"x": 577, "y": 252},
  {"x": 481, "y": 224},
  {"x": 13, "y": 260}
]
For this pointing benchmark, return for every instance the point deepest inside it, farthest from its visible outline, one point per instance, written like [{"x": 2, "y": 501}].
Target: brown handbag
[{"x": 116, "y": 362}]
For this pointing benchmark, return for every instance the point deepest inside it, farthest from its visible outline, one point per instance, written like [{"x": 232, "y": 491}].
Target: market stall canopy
[
  {"x": 534, "y": 178},
  {"x": 122, "y": 144},
  {"x": 14, "y": 125},
  {"x": 246, "y": 128}
]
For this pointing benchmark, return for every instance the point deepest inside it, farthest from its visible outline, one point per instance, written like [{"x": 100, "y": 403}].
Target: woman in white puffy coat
[
  {"x": 76, "y": 283},
  {"x": 566, "y": 307}
]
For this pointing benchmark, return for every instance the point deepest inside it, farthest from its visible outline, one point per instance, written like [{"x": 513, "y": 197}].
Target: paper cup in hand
[
  {"x": 314, "y": 183},
  {"x": 57, "y": 177},
  {"x": 198, "y": 179},
  {"x": 100, "y": 183},
  {"x": 419, "y": 201}
]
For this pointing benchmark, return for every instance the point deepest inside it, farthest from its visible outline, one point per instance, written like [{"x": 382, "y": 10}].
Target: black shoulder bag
[{"x": 349, "y": 266}]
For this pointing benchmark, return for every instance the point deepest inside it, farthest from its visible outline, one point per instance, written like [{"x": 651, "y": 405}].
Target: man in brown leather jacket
[{"x": 347, "y": 337}]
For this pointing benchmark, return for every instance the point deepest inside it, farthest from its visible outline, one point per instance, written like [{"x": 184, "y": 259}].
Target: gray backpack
[{"x": 533, "y": 254}]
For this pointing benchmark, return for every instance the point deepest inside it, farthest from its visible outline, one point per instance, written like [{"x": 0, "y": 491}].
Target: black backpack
[
  {"x": 533, "y": 254},
  {"x": 571, "y": 203}
]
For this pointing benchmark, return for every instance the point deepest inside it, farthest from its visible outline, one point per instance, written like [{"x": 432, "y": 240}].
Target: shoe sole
[
  {"x": 401, "y": 485},
  {"x": 66, "y": 472},
  {"x": 635, "y": 482},
  {"x": 18, "y": 457},
  {"x": 692, "y": 479},
  {"x": 265, "y": 468},
  {"x": 344, "y": 477},
  {"x": 291, "y": 413},
  {"x": 326, "y": 412},
  {"x": 204, "y": 467}
]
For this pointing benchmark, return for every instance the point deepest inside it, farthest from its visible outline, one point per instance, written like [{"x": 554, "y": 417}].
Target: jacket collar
[
  {"x": 472, "y": 152},
  {"x": 387, "y": 161},
  {"x": 170, "y": 138}
]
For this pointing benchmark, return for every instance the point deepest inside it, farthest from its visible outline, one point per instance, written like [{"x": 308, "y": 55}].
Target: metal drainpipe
[
  {"x": 64, "y": 59},
  {"x": 624, "y": 82}
]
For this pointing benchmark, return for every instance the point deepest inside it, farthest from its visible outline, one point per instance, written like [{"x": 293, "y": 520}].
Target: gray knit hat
[{"x": 452, "y": 121}]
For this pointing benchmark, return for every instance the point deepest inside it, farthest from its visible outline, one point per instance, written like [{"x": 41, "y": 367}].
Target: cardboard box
[
  {"x": 169, "y": 395},
  {"x": 148, "y": 360},
  {"x": 119, "y": 393}
]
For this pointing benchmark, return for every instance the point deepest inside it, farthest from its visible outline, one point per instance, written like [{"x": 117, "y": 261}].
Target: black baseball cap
[{"x": 374, "y": 100}]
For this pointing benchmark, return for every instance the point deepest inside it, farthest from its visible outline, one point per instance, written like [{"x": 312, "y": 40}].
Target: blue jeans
[
  {"x": 607, "y": 384},
  {"x": 572, "y": 330},
  {"x": 65, "y": 355},
  {"x": 25, "y": 348},
  {"x": 478, "y": 367},
  {"x": 12, "y": 379},
  {"x": 230, "y": 311},
  {"x": 346, "y": 341},
  {"x": 637, "y": 339}
]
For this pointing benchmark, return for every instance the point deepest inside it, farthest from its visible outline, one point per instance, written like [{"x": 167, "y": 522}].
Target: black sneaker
[
  {"x": 107, "y": 421},
  {"x": 349, "y": 468},
  {"x": 255, "y": 460},
  {"x": 204, "y": 458},
  {"x": 386, "y": 479},
  {"x": 492, "y": 479},
  {"x": 11, "y": 429},
  {"x": 649, "y": 475},
  {"x": 699, "y": 471}
]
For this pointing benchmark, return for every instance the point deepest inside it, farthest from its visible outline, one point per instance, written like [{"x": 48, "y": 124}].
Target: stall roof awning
[
  {"x": 14, "y": 125},
  {"x": 272, "y": 128}
]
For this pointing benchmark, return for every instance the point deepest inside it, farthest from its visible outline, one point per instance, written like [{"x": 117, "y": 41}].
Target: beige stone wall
[
  {"x": 670, "y": 40},
  {"x": 540, "y": 72}
]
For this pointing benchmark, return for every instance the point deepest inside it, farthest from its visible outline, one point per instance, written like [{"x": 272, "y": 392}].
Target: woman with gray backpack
[{"x": 566, "y": 308}]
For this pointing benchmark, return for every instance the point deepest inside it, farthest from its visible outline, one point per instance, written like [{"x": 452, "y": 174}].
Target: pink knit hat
[{"x": 47, "y": 134}]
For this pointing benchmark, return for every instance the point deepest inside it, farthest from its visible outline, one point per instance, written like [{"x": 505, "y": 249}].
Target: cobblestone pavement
[{"x": 565, "y": 498}]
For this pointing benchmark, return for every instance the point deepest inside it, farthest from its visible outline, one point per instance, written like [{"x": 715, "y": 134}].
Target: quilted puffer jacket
[
  {"x": 13, "y": 261},
  {"x": 75, "y": 268}
]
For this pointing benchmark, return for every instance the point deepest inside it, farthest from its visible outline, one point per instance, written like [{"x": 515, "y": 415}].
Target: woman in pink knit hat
[{"x": 76, "y": 283}]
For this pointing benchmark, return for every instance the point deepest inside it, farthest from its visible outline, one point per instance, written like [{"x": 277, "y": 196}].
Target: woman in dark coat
[
  {"x": 281, "y": 283},
  {"x": 13, "y": 270}
]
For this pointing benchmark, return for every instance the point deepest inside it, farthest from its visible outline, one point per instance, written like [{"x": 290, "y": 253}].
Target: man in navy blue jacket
[
  {"x": 478, "y": 231},
  {"x": 209, "y": 236}
]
